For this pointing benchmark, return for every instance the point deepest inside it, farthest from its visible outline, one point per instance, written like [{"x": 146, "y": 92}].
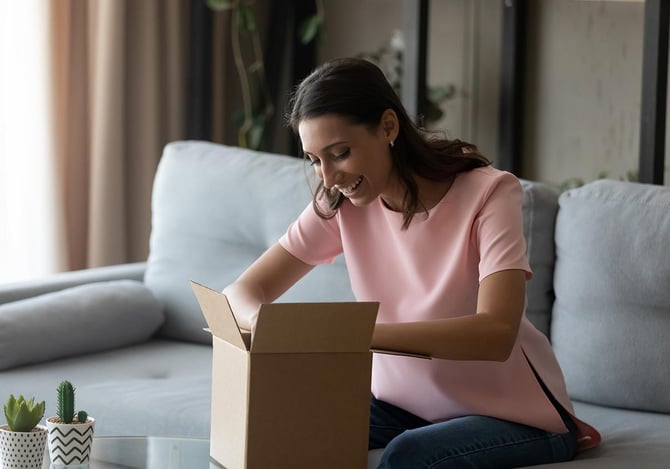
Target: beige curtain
[{"x": 119, "y": 76}]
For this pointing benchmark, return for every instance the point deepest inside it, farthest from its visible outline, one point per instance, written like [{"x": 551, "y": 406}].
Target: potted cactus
[
  {"x": 22, "y": 440},
  {"x": 70, "y": 432}
]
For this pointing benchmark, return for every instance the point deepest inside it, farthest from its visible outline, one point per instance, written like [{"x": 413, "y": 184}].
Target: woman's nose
[{"x": 330, "y": 176}]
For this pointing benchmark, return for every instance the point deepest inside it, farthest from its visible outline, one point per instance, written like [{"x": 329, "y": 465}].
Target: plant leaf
[
  {"x": 256, "y": 135},
  {"x": 309, "y": 28},
  {"x": 432, "y": 112},
  {"x": 246, "y": 19},
  {"x": 219, "y": 5},
  {"x": 22, "y": 415},
  {"x": 438, "y": 94}
]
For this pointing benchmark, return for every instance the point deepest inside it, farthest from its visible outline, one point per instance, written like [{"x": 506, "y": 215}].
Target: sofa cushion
[
  {"x": 76, "y": 321},
  {"x": 540, "y": 204},
  {"x": 169, "y": 406},
  {"x": 611, "y": 316},
  {"x": 215, "y": 209},
  {"x": 631, "y": 439}
]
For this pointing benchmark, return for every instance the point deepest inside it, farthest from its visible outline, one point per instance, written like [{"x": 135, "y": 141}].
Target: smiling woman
[
  {"x": 434, "y": 234},
  {"x": 28, "y": 233}
]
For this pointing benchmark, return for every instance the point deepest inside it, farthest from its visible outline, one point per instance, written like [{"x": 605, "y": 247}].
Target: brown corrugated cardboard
[{"x": 298, "y": 394}]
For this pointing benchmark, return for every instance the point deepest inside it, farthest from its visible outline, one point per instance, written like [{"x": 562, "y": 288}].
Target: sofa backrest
[
  {"x": 540, "y": 204},
  {"x": 611, "y": 317},
  {"x": 216, "y": 208}
]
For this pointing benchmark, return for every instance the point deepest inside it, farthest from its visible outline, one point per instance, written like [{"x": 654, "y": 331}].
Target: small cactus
[
  {"x": 65, "y": 410},
  {"x": 22, "y": 415}
]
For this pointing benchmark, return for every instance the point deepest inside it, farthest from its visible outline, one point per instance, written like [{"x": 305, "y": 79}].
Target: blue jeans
[{"x": 468, "y": 442}]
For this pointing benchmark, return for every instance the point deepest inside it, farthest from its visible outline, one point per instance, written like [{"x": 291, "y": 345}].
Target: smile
[{"x": 348, "y": 190}]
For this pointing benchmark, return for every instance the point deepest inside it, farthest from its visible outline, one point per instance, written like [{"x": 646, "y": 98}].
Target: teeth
[{"x": 350, "y": 188}]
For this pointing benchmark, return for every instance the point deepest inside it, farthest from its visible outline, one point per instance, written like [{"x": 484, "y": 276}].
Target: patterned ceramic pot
[
  {"x": 22, "y": 450},
  {"x": 70, "y": 443}
]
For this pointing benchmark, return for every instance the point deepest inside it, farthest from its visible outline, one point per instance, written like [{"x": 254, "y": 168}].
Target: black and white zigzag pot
[
  {"x": 22, "y": 450},
  {"x": 70, "y": 443}
]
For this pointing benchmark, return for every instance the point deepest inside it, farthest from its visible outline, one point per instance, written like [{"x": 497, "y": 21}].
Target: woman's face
[{"x": 353, "y": 159}]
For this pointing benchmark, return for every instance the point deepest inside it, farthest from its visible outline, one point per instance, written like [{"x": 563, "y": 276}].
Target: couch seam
[{"x": 609, "y": 198}]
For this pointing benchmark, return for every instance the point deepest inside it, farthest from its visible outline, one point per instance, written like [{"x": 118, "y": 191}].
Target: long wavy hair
[{"x": 357, "y": 90}]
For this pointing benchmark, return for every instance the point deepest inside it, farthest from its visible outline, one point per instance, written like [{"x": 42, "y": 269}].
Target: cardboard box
[{"x": 298, "y": 395}]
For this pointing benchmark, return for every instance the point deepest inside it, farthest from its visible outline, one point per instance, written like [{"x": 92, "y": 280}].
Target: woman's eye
[
  {"x": 314, "y": 162},
  {"x": 343, "y": 154}
]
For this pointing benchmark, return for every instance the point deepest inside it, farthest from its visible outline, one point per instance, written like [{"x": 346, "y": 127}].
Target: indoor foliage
[{"x": 257, "y": 105}]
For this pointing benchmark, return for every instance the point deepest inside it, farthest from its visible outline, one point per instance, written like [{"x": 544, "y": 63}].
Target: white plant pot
[
  {"x": 70, "y": 443},
  {"x": 22, "y": 450}
]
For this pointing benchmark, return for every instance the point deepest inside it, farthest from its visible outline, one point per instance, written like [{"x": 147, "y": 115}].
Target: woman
[{"x": 430, "y": 230}]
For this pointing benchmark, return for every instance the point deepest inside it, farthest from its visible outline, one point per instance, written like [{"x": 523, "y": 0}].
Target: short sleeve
[
  {"x": 312, "y": 239},
  {"x": 499, "y": 228}
]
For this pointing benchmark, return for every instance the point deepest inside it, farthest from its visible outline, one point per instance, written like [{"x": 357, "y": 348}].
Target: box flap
[
  {"x": 400, "y": 354},
  {"x": 219, "y": 316},
  {"x": 314, "y": 327}
]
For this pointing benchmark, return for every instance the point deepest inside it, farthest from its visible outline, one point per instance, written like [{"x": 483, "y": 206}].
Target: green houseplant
[
  {"x": 257, "y": 104},
  {"x": 22, "y": 440},
  {"x": 70, "y": 433}
]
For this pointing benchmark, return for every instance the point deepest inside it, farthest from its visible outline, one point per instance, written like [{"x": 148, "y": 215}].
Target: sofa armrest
[
  {"x": 27, "y": 289},
  {"x": 74, "y": 321}
]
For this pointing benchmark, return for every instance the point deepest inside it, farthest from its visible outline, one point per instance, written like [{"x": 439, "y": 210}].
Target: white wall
[
  {"x": 463, "y": 50},
  {"x": 583, "y": 82},
  {"x": 355, "y": 26}
]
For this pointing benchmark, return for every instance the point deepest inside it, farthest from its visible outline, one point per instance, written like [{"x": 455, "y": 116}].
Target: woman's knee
[{"x": 401, "y": 452}]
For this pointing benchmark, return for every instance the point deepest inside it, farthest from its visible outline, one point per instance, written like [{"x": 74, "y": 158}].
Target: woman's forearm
[
  {"x": 476, "y": 337},
  {"x": 264, "y": 281}
]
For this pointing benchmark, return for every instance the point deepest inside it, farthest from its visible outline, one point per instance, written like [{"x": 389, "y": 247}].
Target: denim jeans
[{"x": 467, "y": 442}]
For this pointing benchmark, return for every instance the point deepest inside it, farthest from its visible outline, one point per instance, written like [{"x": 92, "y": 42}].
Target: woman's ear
[{"x": 390, "y": 125}]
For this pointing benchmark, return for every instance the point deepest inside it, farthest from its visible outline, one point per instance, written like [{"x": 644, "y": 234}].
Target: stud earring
[{"x": 392, "y": 143}]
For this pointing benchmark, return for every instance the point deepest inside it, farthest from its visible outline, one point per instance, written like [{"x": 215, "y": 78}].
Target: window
[{"x": 28, "y": 207}]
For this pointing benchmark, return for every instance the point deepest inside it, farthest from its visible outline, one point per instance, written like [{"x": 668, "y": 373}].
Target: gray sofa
[{"x": 130, "y": 337}]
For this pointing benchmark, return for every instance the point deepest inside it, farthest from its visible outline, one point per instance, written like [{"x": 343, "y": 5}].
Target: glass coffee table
[{"x": 145, "y": 453}]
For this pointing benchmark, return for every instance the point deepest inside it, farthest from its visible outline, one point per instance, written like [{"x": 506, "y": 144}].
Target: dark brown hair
[{"x": 358, "y": 91}]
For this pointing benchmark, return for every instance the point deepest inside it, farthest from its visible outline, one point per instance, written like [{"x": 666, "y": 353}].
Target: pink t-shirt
[{"x": 430, "y": 271}]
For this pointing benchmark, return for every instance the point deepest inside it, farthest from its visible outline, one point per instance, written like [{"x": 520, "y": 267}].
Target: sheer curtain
[
  {"x": 90, "y": 92},
  {"x": 119, "y": 94},
  {"x": 30, "y": 235}
]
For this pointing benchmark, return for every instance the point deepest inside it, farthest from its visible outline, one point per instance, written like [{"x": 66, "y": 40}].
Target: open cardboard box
[{"x": 298, "y": 395}]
